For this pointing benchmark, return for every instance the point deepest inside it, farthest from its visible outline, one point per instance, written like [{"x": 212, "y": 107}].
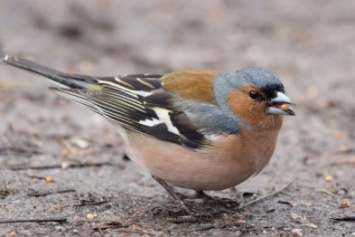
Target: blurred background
[{"x": 309, "y": 44}]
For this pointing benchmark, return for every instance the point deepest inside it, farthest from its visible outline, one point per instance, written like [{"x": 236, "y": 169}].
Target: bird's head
[{"x": 253, "y": 94}]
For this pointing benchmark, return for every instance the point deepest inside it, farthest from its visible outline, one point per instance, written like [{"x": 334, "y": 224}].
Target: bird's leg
[{"x": 174, "y": 195}]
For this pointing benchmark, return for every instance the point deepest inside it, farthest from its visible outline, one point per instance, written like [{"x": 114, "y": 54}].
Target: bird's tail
[{"x": 68, "y": 80}]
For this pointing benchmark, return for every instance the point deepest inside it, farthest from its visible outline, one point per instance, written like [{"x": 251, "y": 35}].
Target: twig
[
  {"x": 59, "y": 166},
  {"x": 131, "y": 232},
  {"x": 286, "y": 203},
  {"x": 48, "y": 179},
  {"x": 68, "y": 146},
  {"x": 87, "y": 203},
  {"x": 265, "y": 196},
  {"x": 203, "y": 228},
  {"x": 45, "y": 193},
  {"x": 327, "y": 192},
  {"x": 18, "y": 150},
  {"x": 345, "y": 218},
  {"x": 47, "y": 219},
  {"x": 44, "y": 167},
  {"x": 350, "y": 161},
  {"x": 111, "y": 225}
]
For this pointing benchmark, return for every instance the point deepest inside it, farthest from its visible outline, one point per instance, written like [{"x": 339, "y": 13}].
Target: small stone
[
  {"x": 59, "y": 229},
  {"x": 49, "y": 179},
  {"x": 13, "y": 234},
  {"x": 346, "y": 203},
  {"x": 64, "y": 165},
  {"x": 240, "y": 222},
  {"x": 297, "y": 232},
  {"x": 90, "y": 216},
  {"x": 328, "y": 178}
]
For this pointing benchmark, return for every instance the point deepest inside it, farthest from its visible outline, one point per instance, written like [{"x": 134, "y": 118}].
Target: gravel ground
[{"x": 59, "y": 161}]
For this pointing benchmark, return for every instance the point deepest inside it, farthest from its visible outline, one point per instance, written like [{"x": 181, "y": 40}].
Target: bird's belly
[
  {"x": 210, "y": 176},
  {"x": 207, "y": 169}
]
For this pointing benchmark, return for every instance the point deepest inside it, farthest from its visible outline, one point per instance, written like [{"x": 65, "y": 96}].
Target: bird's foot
[
  {"x": 225, "y": 202},
  {"x": 189, "y": 210}
]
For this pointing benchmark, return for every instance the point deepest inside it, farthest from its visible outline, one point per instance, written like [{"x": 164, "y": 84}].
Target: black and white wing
[{"x": 138, "y": 102}]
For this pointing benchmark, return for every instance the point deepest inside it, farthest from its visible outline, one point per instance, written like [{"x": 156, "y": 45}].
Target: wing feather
[{"x": 139, "y": 103}]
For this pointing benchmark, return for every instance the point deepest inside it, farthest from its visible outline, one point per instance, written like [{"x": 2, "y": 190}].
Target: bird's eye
[{"x": 254, "y": 95}]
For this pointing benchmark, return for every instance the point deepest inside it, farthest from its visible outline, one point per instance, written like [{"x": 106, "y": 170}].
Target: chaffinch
[{"x": 199, "y": 130}]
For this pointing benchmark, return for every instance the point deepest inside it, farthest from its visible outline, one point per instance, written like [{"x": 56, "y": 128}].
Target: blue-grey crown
[{"x": 260, "y": 77}]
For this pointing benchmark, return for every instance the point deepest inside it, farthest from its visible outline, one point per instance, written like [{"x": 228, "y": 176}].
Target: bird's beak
[{"x": 279, "y": 105}]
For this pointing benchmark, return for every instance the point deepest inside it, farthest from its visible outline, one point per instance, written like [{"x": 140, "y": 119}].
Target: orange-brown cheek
[{"x": 249, "y": 111}]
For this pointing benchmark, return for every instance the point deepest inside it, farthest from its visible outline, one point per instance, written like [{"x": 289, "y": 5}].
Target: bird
[{"x": 195, "y": 129}]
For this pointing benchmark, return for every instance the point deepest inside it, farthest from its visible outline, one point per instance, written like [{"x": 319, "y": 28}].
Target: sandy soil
[{"x": 59, "y": 160}]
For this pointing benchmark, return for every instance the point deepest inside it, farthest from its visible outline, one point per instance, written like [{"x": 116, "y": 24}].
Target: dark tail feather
[{"x": 71, "y": 81}]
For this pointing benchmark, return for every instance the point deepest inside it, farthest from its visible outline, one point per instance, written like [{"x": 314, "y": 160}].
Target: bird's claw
[{"x": 226, "y": 202}]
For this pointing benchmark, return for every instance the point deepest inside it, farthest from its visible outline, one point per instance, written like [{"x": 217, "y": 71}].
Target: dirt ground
[{"x": 61, "y": 162}]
